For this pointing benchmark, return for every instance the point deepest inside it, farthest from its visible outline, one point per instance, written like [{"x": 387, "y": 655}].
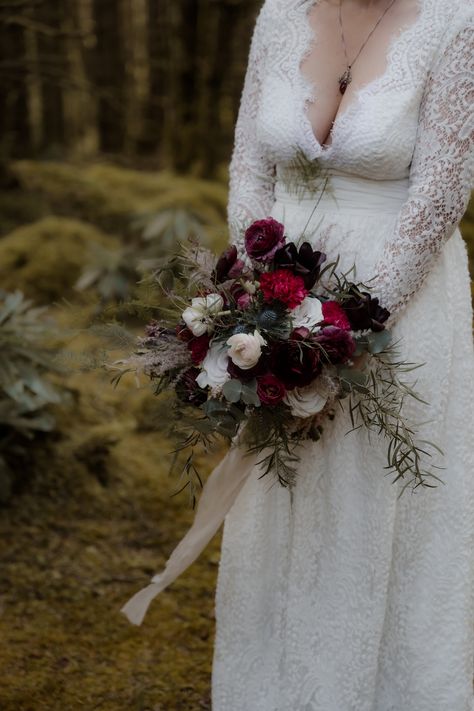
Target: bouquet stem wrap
[{"x": 217, "y": 497}]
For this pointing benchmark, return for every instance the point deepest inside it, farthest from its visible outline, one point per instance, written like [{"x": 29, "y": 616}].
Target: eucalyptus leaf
[
  {"x": 378, "y": 341},
  {"x": 232, "y": 390}
]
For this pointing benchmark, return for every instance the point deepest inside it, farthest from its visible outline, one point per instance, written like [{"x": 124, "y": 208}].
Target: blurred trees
[{"x": 153, "y": 80}]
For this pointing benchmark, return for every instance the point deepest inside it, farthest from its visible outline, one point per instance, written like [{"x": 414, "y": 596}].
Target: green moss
[
  {"x": 109, "y": 196},
  {"x": 45, "y": 259},
  {"x": 96, "y": 521}
]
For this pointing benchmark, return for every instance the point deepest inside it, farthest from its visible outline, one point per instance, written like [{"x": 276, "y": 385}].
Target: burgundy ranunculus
[
  {"x": 199, "y": 345},
  {"x": 263, "y": 238},
  {"x": 228, "y": 266},
  {"x": 283, "y": 286},
  {"x": 270, "y": 390},
  {"x": 337, "y": 343},
  {"x": 364, "y": 311},
  {"x": 334, "y": 315},
  {"x": 297, "y": 361},
  {"x": 305, "y": 261},
  {"x": 188, "y": 390}
]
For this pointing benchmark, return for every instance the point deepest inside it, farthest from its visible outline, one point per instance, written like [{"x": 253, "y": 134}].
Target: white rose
[
  {"x": 308, "y": 313},
  {"x": 214, "y": 367},
  {"x": 245, "y": 349},
  {"x": 197, "y": 316},
  {"x": 307, "y": 401}
]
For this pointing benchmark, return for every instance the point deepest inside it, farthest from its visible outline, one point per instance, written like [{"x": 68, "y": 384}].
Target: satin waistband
[{"x": 342, "y": 192}]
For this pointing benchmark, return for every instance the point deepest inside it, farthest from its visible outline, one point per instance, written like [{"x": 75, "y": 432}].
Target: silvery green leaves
[
  {"x": 373, "y": 342},
  {"x": 235, "y": 391}
]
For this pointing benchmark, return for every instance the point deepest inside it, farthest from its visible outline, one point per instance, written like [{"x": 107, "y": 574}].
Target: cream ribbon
[{"x": 217, "y": 497}]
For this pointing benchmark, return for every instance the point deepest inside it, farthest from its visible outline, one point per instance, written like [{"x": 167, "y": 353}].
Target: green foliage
[
  {"x": 25, "y": 392},
  {"x": 120, "y": 200},
  {"x": 46, "y": 258}
]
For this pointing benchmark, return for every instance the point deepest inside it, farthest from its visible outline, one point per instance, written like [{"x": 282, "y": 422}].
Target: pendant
[{"x": 345, "y": 80}]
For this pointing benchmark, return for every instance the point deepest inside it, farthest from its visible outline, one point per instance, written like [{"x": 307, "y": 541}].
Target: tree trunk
[{"x": 108, "y": 72}]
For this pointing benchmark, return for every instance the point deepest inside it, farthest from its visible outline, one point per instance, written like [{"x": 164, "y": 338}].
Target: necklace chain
[{"x": 346, "y": 78}]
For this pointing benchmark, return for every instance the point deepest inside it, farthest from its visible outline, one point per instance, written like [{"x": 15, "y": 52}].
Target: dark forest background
[
  {"x": 116, "y": 129},
  {"x": 153, "y": 81}
]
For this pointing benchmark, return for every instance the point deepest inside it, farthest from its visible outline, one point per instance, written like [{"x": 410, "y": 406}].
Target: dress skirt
[{"x": 341, "y": 595}]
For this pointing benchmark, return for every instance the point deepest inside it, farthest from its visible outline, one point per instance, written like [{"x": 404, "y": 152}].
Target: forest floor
[{"x": 75, "y": 546}]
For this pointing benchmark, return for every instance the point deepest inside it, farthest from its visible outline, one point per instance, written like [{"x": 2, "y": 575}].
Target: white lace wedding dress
[{"x": 341, "y": 596}]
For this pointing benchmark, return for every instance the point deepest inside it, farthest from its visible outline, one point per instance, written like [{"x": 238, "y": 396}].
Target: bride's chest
[{"x": 374, "y": 132}]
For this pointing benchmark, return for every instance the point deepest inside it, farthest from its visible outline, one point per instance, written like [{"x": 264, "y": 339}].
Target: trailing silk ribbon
[{"x": 219, "y": 493}]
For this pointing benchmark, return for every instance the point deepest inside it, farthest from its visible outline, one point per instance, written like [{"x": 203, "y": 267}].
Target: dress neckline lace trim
[{"x": 395, "y": 71}]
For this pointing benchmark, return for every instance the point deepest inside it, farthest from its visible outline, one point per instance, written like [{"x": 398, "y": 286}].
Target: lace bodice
[{"x": 415, "y": 120}]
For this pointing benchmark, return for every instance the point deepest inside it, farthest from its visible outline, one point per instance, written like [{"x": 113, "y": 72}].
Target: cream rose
[
  {"x": 307, "y": 401},
  {"x": 245, "y": 349},
  {"x": 198, "y": 316},
  {"x": 308, "y": 313},
  {"x": 214, "y": 367}
]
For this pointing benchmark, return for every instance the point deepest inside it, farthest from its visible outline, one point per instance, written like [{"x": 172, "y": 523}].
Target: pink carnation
[
  {"x": 283, "y": 286},
  {"x": 334, "y": 315}
]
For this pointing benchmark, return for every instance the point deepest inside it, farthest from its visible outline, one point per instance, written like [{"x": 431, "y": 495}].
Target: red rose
[
  {"x": 334, "y": 315},
  {"x": 199, "y": 346},
  {"x": 283, "y": 286},
  {"x": 263, "y": 238},
  {"x": 270, "y": 390}
]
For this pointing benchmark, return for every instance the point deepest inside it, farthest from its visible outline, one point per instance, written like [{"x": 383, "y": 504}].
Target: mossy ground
[
  {"x": 93, "y": 517},
  {"x": 95, "y": 520}
]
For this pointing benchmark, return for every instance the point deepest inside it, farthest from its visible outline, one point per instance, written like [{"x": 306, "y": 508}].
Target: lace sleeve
[
  {"x": 251, "y": 173},
  {"x": 441, "y": 174}
]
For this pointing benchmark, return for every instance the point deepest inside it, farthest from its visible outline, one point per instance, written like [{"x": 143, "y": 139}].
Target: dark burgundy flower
[
  {"x": 263, "y": 238},
  {"x": 305, "y": 261},
  {"x": 337, "y": 344},
  {"x": 297, "y": 361},
  {"x": 283, "y": 286},
  {"x": 188, "y": 390},
  {"x": 199, "y": 345},
  {"x": 241, "y": 297},
  {"x": 183, "y": 333},
  {"x": 334, "y": 315},
  {"x": 364, "y": 311},
  {"x": 228, "y": 266},
  {"x": 249, "y": 374},
  {"x": 270, "y": 390}
]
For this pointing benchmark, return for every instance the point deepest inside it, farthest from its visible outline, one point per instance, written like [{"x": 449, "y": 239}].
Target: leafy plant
[{"x": 25, "y": 392}]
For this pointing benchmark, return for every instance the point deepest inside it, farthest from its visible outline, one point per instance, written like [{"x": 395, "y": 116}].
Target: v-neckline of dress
[{"x": 310, "y": 88}]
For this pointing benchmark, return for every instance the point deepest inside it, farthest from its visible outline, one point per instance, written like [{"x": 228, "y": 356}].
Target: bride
[
  {"x": 342, "y": 596},
  {"x": 339, "y": 594}
]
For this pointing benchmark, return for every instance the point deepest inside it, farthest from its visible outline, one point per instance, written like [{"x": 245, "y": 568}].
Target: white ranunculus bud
[
  {"x": 307, "y": 401},
  {"x": 197, "y": 317},
  {"x": 308, "y": 313},
  {"x": 214, "y": 367},
  {"x": 245, "y": 349}
]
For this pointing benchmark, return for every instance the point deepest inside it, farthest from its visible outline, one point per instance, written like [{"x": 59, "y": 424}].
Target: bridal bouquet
[{"x": 263, "y": 349}]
